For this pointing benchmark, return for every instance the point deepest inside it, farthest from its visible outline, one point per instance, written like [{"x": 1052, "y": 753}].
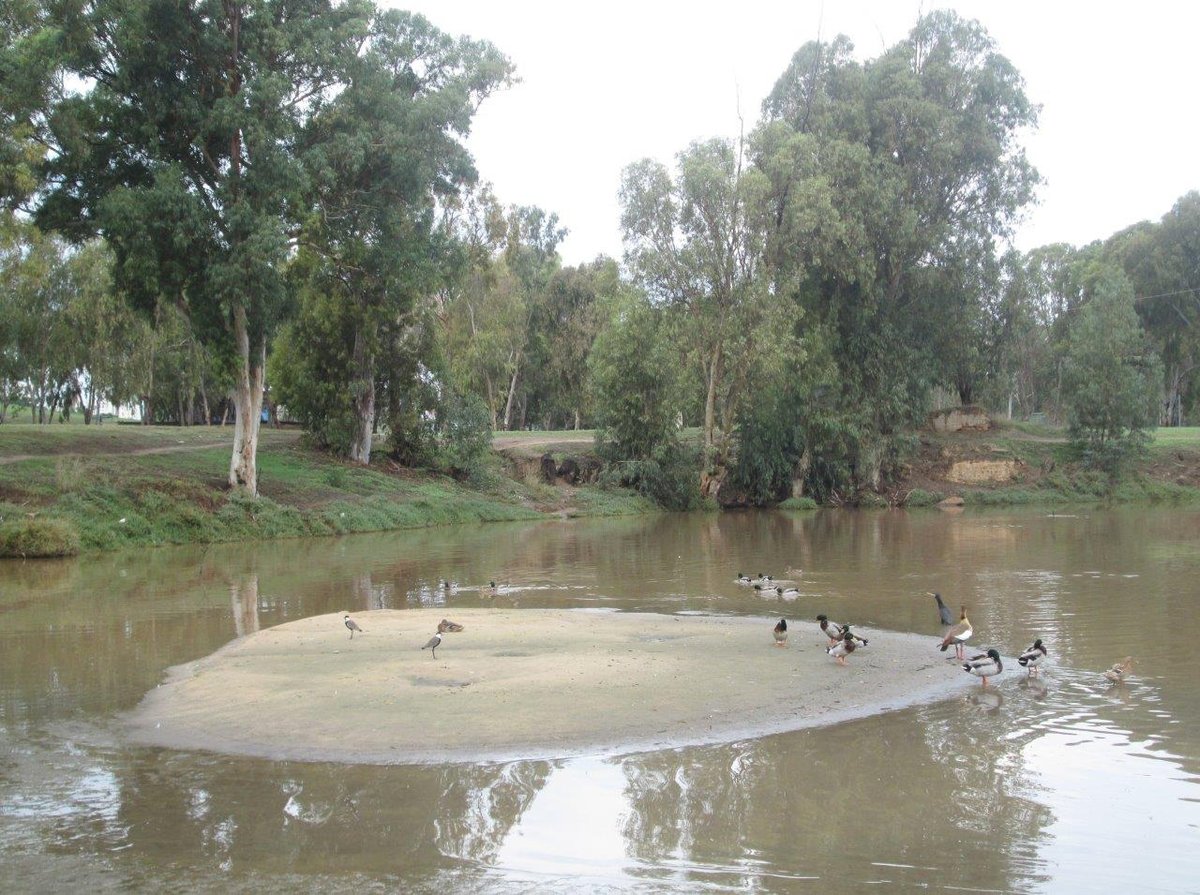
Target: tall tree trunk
[
  {"x": 577, "y": 426},
  {"x": 512, "y": 391},
  {"x": 247, "y": 399},
  {"x": 713, "y": 473},
  {"x": 204, "y": 404},
  {"x": 362, "y": 390}
]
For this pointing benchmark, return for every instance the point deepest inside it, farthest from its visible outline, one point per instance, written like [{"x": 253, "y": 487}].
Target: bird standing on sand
[
  {"x": 832, "y": 630},
  {"x": 986, "y": 665},
  {"x": 353, "y": 626},
  {"x": 433, "y": 643},
  {"x": 944, "y": 613},
  {"x": 958, "y": 635},
  {"x": 1120, "y": 670},
  {"x": 781, "y": 633},
  {"x": 843, "y": 648},
  {"x": 446, "y": 625},
  {"x": 1033, "y": 656}
]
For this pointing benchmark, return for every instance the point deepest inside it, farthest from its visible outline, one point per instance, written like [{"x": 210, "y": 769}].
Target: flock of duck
[{"x": 843, "y": 642}]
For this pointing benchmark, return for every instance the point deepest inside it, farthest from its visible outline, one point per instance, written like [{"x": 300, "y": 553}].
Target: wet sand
[{"x": 526, "y": 683}]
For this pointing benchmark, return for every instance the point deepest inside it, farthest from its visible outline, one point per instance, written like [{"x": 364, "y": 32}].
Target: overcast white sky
[{"x": 606, "y": 83}]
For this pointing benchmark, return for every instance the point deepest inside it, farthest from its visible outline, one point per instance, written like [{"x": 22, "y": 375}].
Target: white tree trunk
[{"x": 247, "y": 401}]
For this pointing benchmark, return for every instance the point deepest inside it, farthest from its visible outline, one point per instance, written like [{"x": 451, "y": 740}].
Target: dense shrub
[{"x": 38, "y": 538}]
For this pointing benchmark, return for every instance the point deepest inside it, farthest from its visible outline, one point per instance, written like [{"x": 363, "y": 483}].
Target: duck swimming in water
[
  {"x": 1120, "y": 670},
  {"x": 985, "y": 665}
]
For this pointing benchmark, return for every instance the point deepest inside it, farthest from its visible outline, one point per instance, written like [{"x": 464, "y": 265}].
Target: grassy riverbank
[{"x": 70, "y": 488}]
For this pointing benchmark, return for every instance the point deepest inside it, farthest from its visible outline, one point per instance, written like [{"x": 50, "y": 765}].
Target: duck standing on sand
[
  {"x": 832, "y": 630},
  {"x": 781, "y": 633},
  {"x": 353, "y": 626},
  {"x": 1120, "y": 670},
  {"x": 843, "y": 648},
  {"x": 986, "y": 665},
  {"x": 958, "y": 635},
  {"x": 1032, "y": 657},
  {"x": 433, "y": 643}
]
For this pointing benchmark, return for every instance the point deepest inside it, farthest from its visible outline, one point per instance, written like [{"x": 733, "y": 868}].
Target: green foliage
[
  {"x": 918, "y": 497},
  {"x": 1110, "y": 376},
  {"x": 38, "y": 537},
  {"x": 633, "y": 383},
  {"x": 668, "y": 478},
  {"x": 799, "y": 503},
  {"x": 463, "y": 434}
]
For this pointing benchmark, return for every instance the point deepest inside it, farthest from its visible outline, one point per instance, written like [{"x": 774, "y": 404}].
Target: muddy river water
[{"x": 1065, "y": 783}]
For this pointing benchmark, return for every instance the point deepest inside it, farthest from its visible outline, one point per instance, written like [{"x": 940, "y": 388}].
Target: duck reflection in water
[{"x": 987, "y": 701}]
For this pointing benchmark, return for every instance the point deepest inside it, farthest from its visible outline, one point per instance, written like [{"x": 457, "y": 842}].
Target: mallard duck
[
  {"x": 984, "y": 665},
  {"x": 764, "y": 580},
  {"x": 858, "y": 641},
  {"x": 446, "y": 625},
  {"x": 832, "y": 630},
  {"x": 353, "y": 626},
  {"x": 786, "y": 593},
  {"x": 957, "y": 635},
  {"x": 781, "y": 633},
  {"x": 843, "y": 648},
  {"x": 489, "y": 590},
  {"x": 744, "y": 579},
  {"x": 1033, "y": 656},
  {"x": 944, "y": 613},
  {"x": 433, "y": 643},
  {"x": 1120, "y": 670}
]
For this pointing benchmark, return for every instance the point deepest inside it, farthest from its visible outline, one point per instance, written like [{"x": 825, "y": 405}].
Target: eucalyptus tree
[
  {"x": 531, "y": 257},
  {"x": 1111, "y": 379},
  {"x": 29, "y": 67},
  {"x": 563, "y": 327},
  {"x": 695, "y": 241},
  {"x": 1163, "y": 262},
  {"x": 381, "y": 156},
  {"x": 182, "y": 147},
  {"x": 891, "y": 181}
]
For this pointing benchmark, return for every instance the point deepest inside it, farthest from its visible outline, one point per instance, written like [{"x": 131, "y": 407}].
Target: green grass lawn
[{"x": 1177, "y": 437}]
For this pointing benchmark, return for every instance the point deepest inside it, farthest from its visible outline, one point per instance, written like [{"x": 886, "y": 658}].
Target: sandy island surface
[{"x": 526, "y": 683}]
